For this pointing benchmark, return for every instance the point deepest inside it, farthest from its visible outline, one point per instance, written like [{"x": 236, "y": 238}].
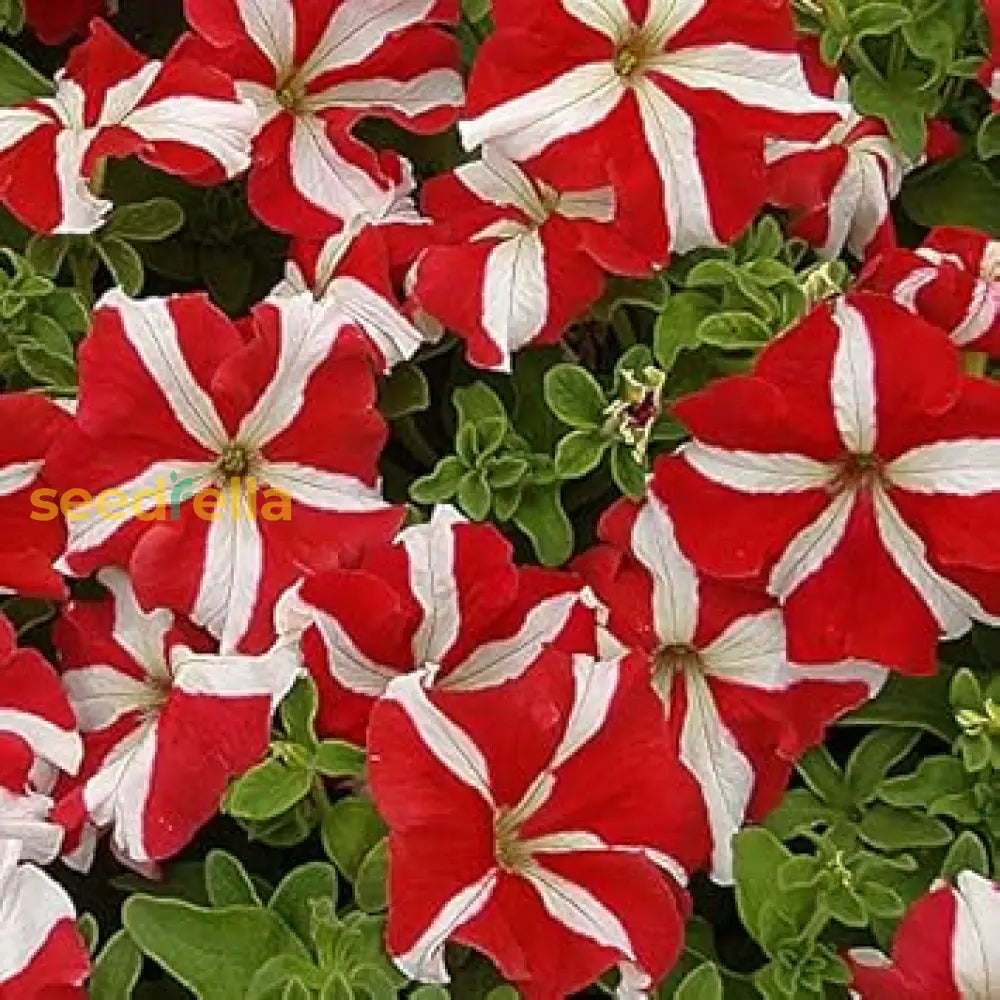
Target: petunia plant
[{"x": 500, "y": 499}]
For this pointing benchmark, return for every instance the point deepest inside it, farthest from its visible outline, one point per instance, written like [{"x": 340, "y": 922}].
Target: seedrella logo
[{"x": 240, "y": 498}]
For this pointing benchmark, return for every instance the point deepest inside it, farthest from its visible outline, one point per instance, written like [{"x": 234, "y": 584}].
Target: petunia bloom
[
  {"x": 352, "y": 273},
  {"x": 42, "y": 953},
  {"x": 449, "y": 599},
  {"x": 166, "y": 723},
  {"x": 855, "y": 473},
  {"x": 38, "y": 739},
  {"x": 952, "y": 280},
  {"x": 110, "y": 101},
  {"x": 220, "y": 470},
  {"x": 735, "y": 711},
  {"x": 31, "y": 535},
  {"x": 946, "y": 948},
  {"x": 669, "y": 99},
  {"x": 527, "y": 822},
  {"x": 514, "y": 261},
  {"x": 314, "y": 70},
  {"x": 840, "y": 188}
]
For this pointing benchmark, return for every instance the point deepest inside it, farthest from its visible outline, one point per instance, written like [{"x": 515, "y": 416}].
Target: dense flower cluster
[{"x": 555, "y": 752}]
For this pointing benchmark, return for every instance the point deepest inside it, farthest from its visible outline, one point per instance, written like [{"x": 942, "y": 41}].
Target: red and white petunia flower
[
  {"x": 38, "y": 738},
  {"x": 282, "y": 426},
  {"x": 166, "y": 723},
  {"x": 352, "y": 274},
  {"x": 31, "y": 534},
  {"x": 989, "y": 73},
  {"x": 516, "y": 260},
  {"x": 841, "y": 188},
  {"x": 670, "y": 99},
  {"x": 946, "y": 948},
  {"x": 111, "y": 101},
  {"x": 451, "y": 601},
  {"x": 533, "y": 822},
  {"x": 952, "y": 281},
  {"x": 314, "y": 69},
  {"x": 55, "y": 23},
  {"x": 42, "y": 953},
  {"x": 735, "y": 710},
  {"x": 855, "y": 472}
]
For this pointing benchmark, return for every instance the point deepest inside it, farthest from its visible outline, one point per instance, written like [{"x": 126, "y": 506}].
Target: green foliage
[
  {"x": 496, "y": 472},
  {"x": 40, "y": 325}
]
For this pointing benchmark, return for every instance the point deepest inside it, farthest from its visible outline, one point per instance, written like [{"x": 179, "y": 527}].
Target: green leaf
[
  {"x": 965, "y": 692},
  {"x": 89, "y": 930},
  {"x": 909, "y": 702},
  {"x": 820, "y": 772},
  {"x": 116, "y": 970},
  {"x": 294, "y": 897},
  {"x": 961, "y": 192},
  {"x": 901, "y": 103},
  {"x": 147, "y": 221},
  {"x": 214, "y": 953},
  {"x": 350, "y": 829},
  {"x": 227, "y": 882},
  {"x": 228, "y": 275},
  {"x": 757, "y": 856},
  {"x": 476, "y": 403},
  {"x": 934, "y": 778},
  {"x": 274, "y": 976},
  {"x": 575, "y": 396},
  {"x": 890, "y": 829},
  {"x": 442, "y": 484},
  {"x": 874, "y": 757},
  {"x": 874, "y": 19},
  {"x": 799, "y": 812},
  {"x": 47, "y": 253},
  {"x": 370, "y": 885},
  {"x": 124, "y": 263},
  {"x": 628, "y": 474},
  {"x": 734, "y": 331},
  {"x": 579, "y": 453},
  {"x": 677, "y": 326},
  {"x": 298, "y": 712},
  {"x": 405, "y": 392},
  {"x": 473, "y": 495},
  {"x": 704, "y": 983},
  {"x": 492, "y": 432},
  {"x": 19, "y": 81},
  {"x": 340, "y": 759},
  {"x": 45, "y": 366},
  {"x": 475, "y": 11},
  {"x": 506, "y": 471},
  {"x": 430, "y": 992},
  {"x": 542, "y": 518},
  {"x": 967, "y": 853},
  {"x": 268, "y": 790}
]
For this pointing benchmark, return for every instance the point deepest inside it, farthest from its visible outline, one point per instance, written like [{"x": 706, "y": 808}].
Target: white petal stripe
[
  {"x": 525, "y": 126},
  {"x": 495, "y": 663},
  {"x": 357, "y": 29},
  {"x": 577, "y": 908},
  {"x": 347, "y": 664},
  {"x": 964, "y": 468},
  {"x": 596, "y": 683},
  {"x": 231, "y": 575},
  {"x": 672, "y": 145},
  {"x": 424, "y": 962},
  {"x": 438, "y": 88},
  {"x": 712, "y": 755},
  {"x": 954, "y": 608},
  {"x": 515, "y": 294},
  {"x": 391, "y": 332},
  {"x": 430, "y": 554},
  {"x": 269, "y": 675},
  {"x": 610, "y": 18},
  {"x": 758, "y": 472},
  {"x": 329, "y": 491},
  {"x": 975, "y": 957},
  {"x": 449, "y": 743},
  {"x": 151, "y": 332},
  {"x": 32, "y": 905},
  {"x": 100, "y": 695},
  {"x": 47, "y": 740},
  {"x": 154, "y": 487},
  {"x": 810, "y": 549},
  {"x": 675, "y": 582},
  {"x": 751, "y": 652},
  {"x": 18, "y": 476},
  {"x": 852, "y": 384},
  {"x": 271, "y": 27}
]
